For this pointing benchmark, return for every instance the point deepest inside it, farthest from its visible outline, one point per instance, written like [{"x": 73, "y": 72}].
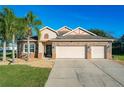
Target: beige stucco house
[{"x": 66, "y": 43}]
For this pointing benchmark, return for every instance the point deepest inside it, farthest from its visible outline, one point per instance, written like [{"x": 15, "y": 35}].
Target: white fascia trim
[
  {"x": 80, "y": 28},
  {"x": 48, "y": 28},
  {"x": 86, "y": 31},
  {"x": 65, "y": 27},
  {"x": 78, "y": 40}
]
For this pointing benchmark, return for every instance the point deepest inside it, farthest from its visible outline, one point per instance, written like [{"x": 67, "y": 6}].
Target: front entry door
[{"x": 48, "y": 50}]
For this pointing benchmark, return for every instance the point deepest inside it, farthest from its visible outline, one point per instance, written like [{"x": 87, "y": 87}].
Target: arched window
[{"x": 46, "y": 36}]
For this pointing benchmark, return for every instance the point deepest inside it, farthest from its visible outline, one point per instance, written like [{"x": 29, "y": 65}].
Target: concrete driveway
[{"x": 86, "y": 73}]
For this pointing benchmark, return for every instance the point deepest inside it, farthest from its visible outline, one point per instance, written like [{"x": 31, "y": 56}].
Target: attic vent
[{"x": 46, "y": 36}]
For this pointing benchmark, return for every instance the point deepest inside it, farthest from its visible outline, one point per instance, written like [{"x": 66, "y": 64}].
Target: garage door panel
[
  {"x": 97, "y": 52},
  {"x": 70, "y": 52}
]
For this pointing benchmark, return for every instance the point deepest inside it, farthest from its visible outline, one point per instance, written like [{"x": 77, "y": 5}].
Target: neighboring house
[
  {"x": 66, "y": 43},
  {"x": 9, "y": 47}
]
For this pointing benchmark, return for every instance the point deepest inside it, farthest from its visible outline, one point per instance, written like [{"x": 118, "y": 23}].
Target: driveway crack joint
[{"x": 78, "y": 78}]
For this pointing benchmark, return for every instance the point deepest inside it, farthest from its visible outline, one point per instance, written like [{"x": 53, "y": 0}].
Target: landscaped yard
[
  {"x": 23, "y": 76},
  {"x": 118, "y": 57}
]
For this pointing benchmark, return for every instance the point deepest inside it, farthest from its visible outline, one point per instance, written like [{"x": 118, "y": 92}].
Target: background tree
[
  {"x": 101, "y": 33},
  {"x": 118, "y": 46},
  {"x": 121, "y": 39}
]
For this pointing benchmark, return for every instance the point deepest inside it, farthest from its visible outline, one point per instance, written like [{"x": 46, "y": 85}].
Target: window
[
  {"x": 26, "y": 48},
  {"x": 46, "y": 36},
  {"x": 32, "y": 48}
]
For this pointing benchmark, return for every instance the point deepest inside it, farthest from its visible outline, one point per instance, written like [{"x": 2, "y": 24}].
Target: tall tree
[
  {"x": 101, "y": 33},
  {"x": 13, "y": 27},
  {"x": 4, "y": 31},
  {"x": 32, "y": 24},
  {"x": 16, "y": 32}
]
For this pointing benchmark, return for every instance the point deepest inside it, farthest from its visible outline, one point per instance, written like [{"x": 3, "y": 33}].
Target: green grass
[
  {"x": 118, "y": 57},
  {"x": 23, "y": 76}
]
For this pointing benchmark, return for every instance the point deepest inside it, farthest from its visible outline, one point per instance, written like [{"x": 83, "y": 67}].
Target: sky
[{"x": 107, "y": 18}]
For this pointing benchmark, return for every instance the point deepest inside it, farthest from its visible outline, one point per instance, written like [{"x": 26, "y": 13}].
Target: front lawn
[
  {"x": 118, "y": 57},
  {"x": 23, "y": 76}
]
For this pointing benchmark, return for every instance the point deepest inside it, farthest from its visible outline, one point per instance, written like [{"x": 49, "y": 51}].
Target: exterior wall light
[
  {"x": 107, "y": 46},
  {"x": 53, "y": 47},
  {"x": 88, "y": 48}
]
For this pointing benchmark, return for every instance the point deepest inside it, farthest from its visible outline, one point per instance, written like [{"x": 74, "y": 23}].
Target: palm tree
[
  {"x": 13, "y": 26},
  {"x": 21, "y": 32},
  {"x": 32, "y": 24},
  {"x": 11, "y": 22},
  {"x": 17, "y": 29},
  {"x": 10, "y": 25},
  {"x": 4, "y": 32}
]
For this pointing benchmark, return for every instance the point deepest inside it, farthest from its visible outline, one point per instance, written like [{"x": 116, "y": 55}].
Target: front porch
[
  {"x": 40, "y": 50},
  {"x": 47, "y": 50}
]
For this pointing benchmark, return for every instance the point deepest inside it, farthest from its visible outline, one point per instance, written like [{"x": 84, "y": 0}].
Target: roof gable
[
  {"x": 79, "y": 31},
  {"x": 64, "y": 30},
  {"x": 46, "y": 27}
]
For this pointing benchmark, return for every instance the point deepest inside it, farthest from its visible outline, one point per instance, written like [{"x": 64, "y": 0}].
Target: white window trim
[{"x": 30, "y": 44}]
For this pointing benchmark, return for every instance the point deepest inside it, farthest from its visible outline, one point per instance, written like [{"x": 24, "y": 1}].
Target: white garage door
[
  {"x": 70, "y": 52},
  {"x": 97, "y": 52}
]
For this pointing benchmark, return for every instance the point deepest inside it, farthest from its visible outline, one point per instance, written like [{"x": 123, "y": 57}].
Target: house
[{"x": 66, "y": 43}]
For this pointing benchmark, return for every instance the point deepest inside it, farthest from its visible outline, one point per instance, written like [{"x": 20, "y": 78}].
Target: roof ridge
[
  {"x": 64, "y": 27},
  {"x": 81, "y": 29},
  {"x": 86, "y": 30},
  {"x": 49, "y": 28}
]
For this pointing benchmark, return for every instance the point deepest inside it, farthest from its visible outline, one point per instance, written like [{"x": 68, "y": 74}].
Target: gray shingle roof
[
  {"x": 33, "y": 38},
  {"x": 62, "y": 32},
  {"x": 80, "y": 37}
]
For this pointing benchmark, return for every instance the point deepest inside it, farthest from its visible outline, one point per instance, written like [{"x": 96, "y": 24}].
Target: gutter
[
  {"x": 26, "y": 40},
  {"x": 77, "y": 40},
  {"x": 111, "y": 40}
]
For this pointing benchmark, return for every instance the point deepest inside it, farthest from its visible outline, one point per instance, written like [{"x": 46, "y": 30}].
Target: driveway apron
[
  {"x": 113, "y": 69},
  {"x": 79, "y": 73}
]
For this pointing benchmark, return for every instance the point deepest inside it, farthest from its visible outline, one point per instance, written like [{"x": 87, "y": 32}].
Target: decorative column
[
  {"x": 88, "y": 52},
  {"x": 40, "y": 50},
  {"x": 53, "y": 50},
  {"x": 108, "y": 51}
]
